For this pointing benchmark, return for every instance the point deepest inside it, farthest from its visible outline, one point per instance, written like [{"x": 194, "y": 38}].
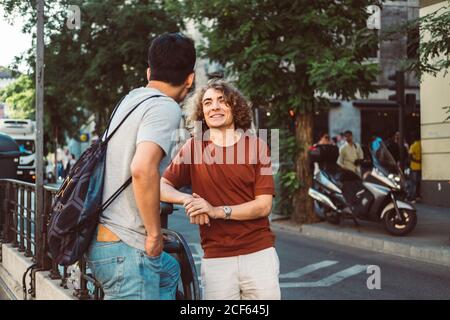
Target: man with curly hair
[{"x": 231, "y": 177}]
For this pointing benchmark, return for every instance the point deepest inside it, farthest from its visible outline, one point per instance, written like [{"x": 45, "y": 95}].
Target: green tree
[
  {"x": 19, "y": 96},
  {"x": 432, "y": 43},
  {"x": 88, "y": 69},
  {"x": 106, "y": 57},
  {"x": 289, "y": 56}
]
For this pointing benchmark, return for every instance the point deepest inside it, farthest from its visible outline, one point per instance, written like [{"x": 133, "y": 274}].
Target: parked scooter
[{"x": 379, "y": 196}]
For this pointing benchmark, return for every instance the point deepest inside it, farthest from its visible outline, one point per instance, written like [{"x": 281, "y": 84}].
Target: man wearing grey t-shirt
[{"x": 127, "y": 256}]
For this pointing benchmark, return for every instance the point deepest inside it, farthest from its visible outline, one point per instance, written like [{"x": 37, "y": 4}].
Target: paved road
[{"x": 313, "y": 269}]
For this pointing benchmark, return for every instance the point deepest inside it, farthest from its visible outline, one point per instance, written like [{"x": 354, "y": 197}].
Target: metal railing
[
  {"x": 18, "y": 215},
  {"x": 19, "y": 226},
  {"x": 26, "y": 230}
]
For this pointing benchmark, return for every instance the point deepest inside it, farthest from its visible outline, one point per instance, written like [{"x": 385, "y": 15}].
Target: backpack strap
[
  {"x": 128, "y": 182},
  {"x": 112, "y": 115},
  {"x": 115, "y": 195},
  {"x": 106, "y": 137}
]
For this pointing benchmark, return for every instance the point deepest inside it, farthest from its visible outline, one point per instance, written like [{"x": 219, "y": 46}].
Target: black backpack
[{"x": 77, "y": 206}]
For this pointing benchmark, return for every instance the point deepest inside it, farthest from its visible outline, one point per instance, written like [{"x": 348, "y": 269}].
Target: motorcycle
[{"x": 379, "y": 196}]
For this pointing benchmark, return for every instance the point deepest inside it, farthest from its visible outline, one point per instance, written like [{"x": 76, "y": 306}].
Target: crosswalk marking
[
  {"x": 197, "y": 253},
  {"x": 341, "y": 275},
  {"x": 308, "y": 269},
  {"x": 328, "y": 281}
]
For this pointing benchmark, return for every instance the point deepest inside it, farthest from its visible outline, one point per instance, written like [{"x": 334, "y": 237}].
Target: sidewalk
[{"x": 429, "y": 241}]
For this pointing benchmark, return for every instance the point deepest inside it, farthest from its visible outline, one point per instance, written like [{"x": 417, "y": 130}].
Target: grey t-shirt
[{"x": 155, "y": 120}]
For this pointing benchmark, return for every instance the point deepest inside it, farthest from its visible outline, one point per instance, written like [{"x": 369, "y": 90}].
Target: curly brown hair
[{"x": 242, "y": 116}]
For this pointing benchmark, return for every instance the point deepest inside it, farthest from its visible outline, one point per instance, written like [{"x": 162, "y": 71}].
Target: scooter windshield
[{"x": 383, "y": 159}]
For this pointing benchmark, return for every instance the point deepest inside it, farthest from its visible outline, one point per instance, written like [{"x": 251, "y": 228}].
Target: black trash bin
[{"x": 9, "y": 157}]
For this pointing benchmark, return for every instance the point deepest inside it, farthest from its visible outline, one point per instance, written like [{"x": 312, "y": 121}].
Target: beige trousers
[{"x": 252, "y": 276}]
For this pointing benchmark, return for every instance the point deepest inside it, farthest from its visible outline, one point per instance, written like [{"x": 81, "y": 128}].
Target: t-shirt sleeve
[
  {"x": 178, "y": 171},
  {"x": 264, "y": 176},
  {"x": 340, "y": 160},
  {"x": 159, "y": 124},
  {"x": 360, "y": 152}
]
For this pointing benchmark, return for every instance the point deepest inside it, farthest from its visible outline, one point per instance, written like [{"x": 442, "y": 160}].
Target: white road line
[
  {"x": 197, "y": 253},
  {"x": 308, "y": 269},
  {"x": 328, "y": 281},
  {"x": 339, "y": 276}
]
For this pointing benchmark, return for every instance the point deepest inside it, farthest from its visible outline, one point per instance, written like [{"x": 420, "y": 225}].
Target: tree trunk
[
  {"x": 303, "y": 204},
  {"x": 55, "y": 169}
]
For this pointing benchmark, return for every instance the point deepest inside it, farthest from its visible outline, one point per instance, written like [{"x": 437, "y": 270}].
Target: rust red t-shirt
[{"x": 227, "y": 176}]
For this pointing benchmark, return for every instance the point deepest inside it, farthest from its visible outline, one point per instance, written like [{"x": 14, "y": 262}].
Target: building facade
[
  {"x": 376, "y": 112},
  {"x": 435, "y": 129}
]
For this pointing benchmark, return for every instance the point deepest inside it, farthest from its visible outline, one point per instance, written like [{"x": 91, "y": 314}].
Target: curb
[
  {"x": 436, "y": 255},
  {"x": 10, "y": 289}
]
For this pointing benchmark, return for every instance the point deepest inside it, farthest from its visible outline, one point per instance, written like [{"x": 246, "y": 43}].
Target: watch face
[{"x": 227, "y": 212}]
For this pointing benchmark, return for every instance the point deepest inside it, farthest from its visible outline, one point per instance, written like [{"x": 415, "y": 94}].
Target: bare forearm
[
  {"x": 146, "y": 192},
  {"x": 247, "y": 211},
  {"x": 172, "y": 195}
]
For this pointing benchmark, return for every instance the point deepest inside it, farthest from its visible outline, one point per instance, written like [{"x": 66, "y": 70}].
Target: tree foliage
[
  {"x": 432, "y": 43},
  {"x": 434, "y": 48},
  {"x": 430, "y": 39},
  {"x": 88, "y": 69},
  {"x": 289, "y": 56},
  {"x": 20, "y": 97}
]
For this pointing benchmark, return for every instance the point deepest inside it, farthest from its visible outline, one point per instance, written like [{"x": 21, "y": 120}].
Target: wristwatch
[{"x": 227, "y": 211}]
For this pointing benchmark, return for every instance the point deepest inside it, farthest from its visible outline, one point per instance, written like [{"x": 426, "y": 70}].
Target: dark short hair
[
  {"x": 171, "y": 58},
  {"x": 323, "y": 133},
  {"x": 348, "y": 132}
]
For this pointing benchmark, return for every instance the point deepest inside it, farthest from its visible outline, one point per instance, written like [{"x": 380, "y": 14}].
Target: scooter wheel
[{"x": 397, "y": 228}]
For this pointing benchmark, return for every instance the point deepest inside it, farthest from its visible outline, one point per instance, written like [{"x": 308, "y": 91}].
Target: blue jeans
[{"x": 127, "y": 273}]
